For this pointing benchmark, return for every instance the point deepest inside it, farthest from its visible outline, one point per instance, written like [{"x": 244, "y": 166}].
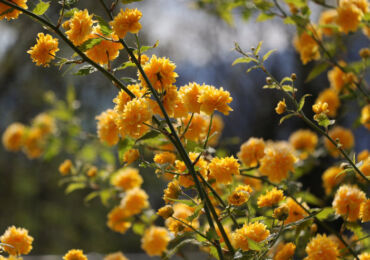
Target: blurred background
[{"x": 201, "y": 44}]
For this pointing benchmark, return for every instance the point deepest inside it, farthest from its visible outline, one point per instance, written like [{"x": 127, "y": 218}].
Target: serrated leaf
[
  {"x": 85, "y": 70},
  {"x": 103, "y": 25},
  {"x": 75, "y": 186},
  {"x": 262, "y": 17},
  {"x": 186, "y": 202},
  {"x": 243, "y": 60},
  {"x": 150, "y": 135},
  {"x": 325, "y": 213},
  {"x": 301, "y": 101},
  {"x": 316, "y": 71},
  {"x": 126, "y": 65},
  {"x": 69, "y": 13},
  {"x": 41, "y": 8},
  {"x": 147, "y": 48},
  {"x": 90, "y": 43},
  {"x": 267, "y": 55},
  {"x": 258, "y": 48},
  {"x": 285, "y": 118},
  {"x": 253, "y": 245}
]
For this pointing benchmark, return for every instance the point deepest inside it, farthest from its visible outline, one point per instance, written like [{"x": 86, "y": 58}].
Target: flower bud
[
  {"x": 281, "y": 213},
  {"x": 165, "y": 212}
]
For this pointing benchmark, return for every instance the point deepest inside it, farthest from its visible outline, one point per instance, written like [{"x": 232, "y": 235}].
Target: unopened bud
[
  {"x": 313, "y": 228},
  {"x": 293, "y": 76},
  {"x": 365, "y": 53},
  {"x": 268, "y": 80},
  {"x": 281, "y": 213},
  {"x": 165, "y": 212}
]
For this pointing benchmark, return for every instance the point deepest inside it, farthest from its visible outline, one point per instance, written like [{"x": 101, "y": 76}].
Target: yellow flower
[
  {"x": 126, "y": 21},
  {"x": 216, "y": 129},
  {"x": 252, "y": 151},
  {"x": 105, "y": 50},
  {"x": 65, "y": 167},
  {"x": 364, "y": 256},
  {"x": 363, "y": 155},
  {"x": 75, "y": 254},
  {"x": 12, "y": 14},
  {"x": 172, "y": 191},
  {"x": 165, "y": 212},
  {"x": 281, "y": 213},
  {"x": 135, "y": 201},
  {"x": 123, "y": 98},
  {"x": 330, "y": 97},
  {"x": 240, "y": 195},
  {"x": 281, "y": 107},
  {"x": 115, "y": 256},
  {"x": 18, "y": 239},
  {"x": 168, "y": 100},
  {"x": 106, "y": 127},
  {"x": 212, "y": 99},
  {"x": 320, "y": 108},
  {"x": 186, "y": 180},
  {"x": 366, "y": 31},
  {"x": 345, "y": 137},
  {"x": 79, "y": 27},
  {"x": 365, "y": 168},
  {"x": 179, "y": 109},
  {"x": 155, "y": 240},
  {"x": 118, "y": 220},
  {"x": 136, "y": 112},
  {"x": 13, "y": 137},
  {"x": 254, "y": 231},
  {"x": 277, "y": 162},
  {"x": 304, "y": 140},
  {"x": 11, "y": 257},
  {"x": 328, "y": 17},
  {"x": 143, "y": 58},
  {"x": 197, "y": 128},
  {"x": 190, "y": 94},
  {"x": 296, "y": 212},
  {"x": 182, "y": 212},
  {"x": 339, "y": 79},
  {"x": 45, "y": 123},
  {"x": 164, "y": 157},
  {"x": 222, "y": 169},
  {"x": 255, "y": 183},
  {"x": 285, "y": 251},
  {"x": 92, "y": 171},
  {"x": 160, "y": 72},
  {"x": 321, "y": 247},
  {"x": 131, "y": 156},
  {"x": 365, "y": 116},
  {"x": 127, "y": 179},
  {"x": 306, "y": 45},
  {"x": 330, "y": 178},
  {"x": 271, "y": 198},
  {"x": 365, "y": 211},
  {"x": 44, "y": 50},
  {"x": 349, "y": 16},
  {"x": 347, "y": 202},
  {"x": 33, "y": 143}
]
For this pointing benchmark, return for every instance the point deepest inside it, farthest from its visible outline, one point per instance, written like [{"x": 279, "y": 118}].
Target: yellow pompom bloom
[
  {"x": 363, "y": 155},
  {"x": 33, "y": 143},
  {"x": 197, "y": 128},
  {"x": 12, "y": 14},
  {"x": 79, "y": 27},
  {"x": 255, "y": 231},
  {"x": 365, "y": 116},
  {"x": 306, "y": 45},
  {"x": 222, "y": 169},
  {"x": 216, "y": 129},
  {"x": 240, "y": 195},
  {"x": 320, "y": 108},
  {"x": 160, "y": 72},
  {"x": 212, "y": 99},
  {"x": 330, "y": 97},
  {"x": 131, "y": 156},
  {"x": 252, "y": 151},
  {"x": 92, "y": 171},
  {"x": 186, "y": 180},
  {"x": 339, "y": 79},
  {"x": 75, "y": 254},
  {"x": 126, "y": 21},
  {"x": 135, "y": 201},
  {"x": 44, "y": 51},
  {"x": 304, "y": 140},
  {"x": 106, "y": 127},
  {"x": 349, "y": 16},
  {"x": 271, "y": 198},
  {"x": 180, "y": 110},
  {"x": 331, "y": 178},
  {"x": 18, "y": 239},
  {"x": 155, "y": 240},
  {"x": 345, "y": 137},
  {"x": 45, "y": 123},
  {"x": 321, "y": 247},
  {"x": 347, "y": 202},
  {"x": 118, "y": 220},
  {"x": 281, "y": 107},
  {"x": 105, "y": 50},
  {"x": 285, "y": 251},
  {"x": 365, "y": 168},
  {"x": 364, "y": 256},
  {"x": 115, "y": 256},
  {"x": 164, "y": 157},
  {"x": 172, "y": 191},
  {"x": 328, "y": 17},
  {"x": 123, "y": 98},
  {"x": 13, "y": 137},
  {"x": 182, "y": 212},
  {"x": 277, "y": 162},
  {"x": 127, "y": 179},
  {"x": 190, "y": 94},
  {"x": 165, "y": 212},
  {"x": 296, "y": 212},
  {"x": 11, "y": 257},
  {"x": 365, "y": 211},
  {"x": 65, "y": 167}
]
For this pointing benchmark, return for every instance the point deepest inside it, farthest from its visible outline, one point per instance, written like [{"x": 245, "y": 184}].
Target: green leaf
[
  {"x": 267, "y": 55},
  {"x": 150, "y": 135},
  {"x": 287, "y": 88},
  {"x": 253, "y": 245},
  {"x": 41, "y": 8},
  {"x": 186, "y": 202},
  {"x": 85, "y": 70},
  {"x": 105, "y": 196},
  {"x": 316, "y": 71},
  {"x": 285, "y": 118},
  {"x": 128, "y": 80},
  {"x": 262, "y": 17},
  {"x": 104, "y": 26},
  {"x": 244, "y": 60},
  {"x": 326, "y": 213},
  {"x": 301, "y": 101},
  {"x": 285, "y": 79},
  {"x": 176, "y": 244},
  {"x": 310, "y": 198},
  {"x": 124, "y": 145},
  {"x": 70, "y": 12},
  {"x": 324, "y": 121},
  {"x": 272, "y": 86},
  {"x": 126, "y": 65},
  {"x": 297, "y": 3},
  {"x": 147, "y": 48},
  {"x": 252, "y": 68},
  {"x": 196, "y": 213},
  {"x": 90, "y": 43},
  {"x": 263, "y": 5},
  {"x": 212, "y": 234},
  {"x": 129, "y": 1},
  {"x": 75, "y": 186},
  {"x": 91, "y": 196},
  {"x": 258, "y": 48},
  {"x": 138, "y": 228}
]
